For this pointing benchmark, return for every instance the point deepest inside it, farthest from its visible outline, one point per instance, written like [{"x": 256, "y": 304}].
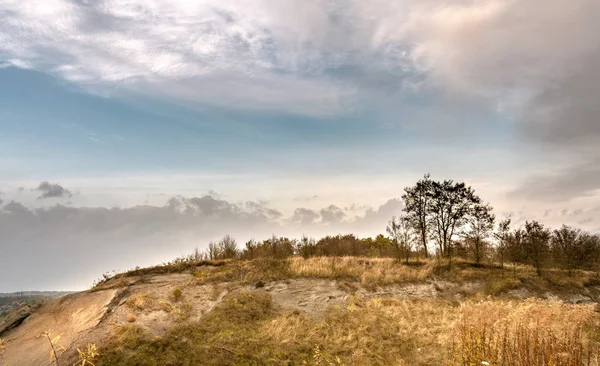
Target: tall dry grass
[{"x": 530, "y": 333}]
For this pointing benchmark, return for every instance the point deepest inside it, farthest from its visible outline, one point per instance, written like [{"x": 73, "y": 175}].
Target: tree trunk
[{"x": 424, "y": 241}]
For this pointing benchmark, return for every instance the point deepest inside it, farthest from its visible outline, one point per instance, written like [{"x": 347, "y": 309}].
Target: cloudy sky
[{"x": 132, "y": 131}]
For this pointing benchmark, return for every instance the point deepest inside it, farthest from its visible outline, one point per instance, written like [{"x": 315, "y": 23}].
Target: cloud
[
  {"x": 332, "y": 214},
  {"x": 246, "y": 54},
  {"x": 50, "y": 190},
  {"x": 68, "y": 247},
  {"x": 537, "y": 61},
  {"x": 306, "y": 198},
  {"x": 305, "y": 216},
  {"x": 563, "y": 184}
]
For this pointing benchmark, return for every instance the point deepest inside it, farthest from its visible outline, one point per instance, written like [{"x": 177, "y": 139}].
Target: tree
[
  {"x": 573, "y": 248},
  {"x": 481, "y": 224},
  {"x": 502, "y": 236},
  {"x": 589, "y": 250},
  {"x": 514, "y": 248},
  {"x": 402, "y": 235},
  {"x": 450, "y": 204},
  {"x": 417, "y": 200},
  {"x": 565, "y": 246},
  {"x": 537, "y": 244}
]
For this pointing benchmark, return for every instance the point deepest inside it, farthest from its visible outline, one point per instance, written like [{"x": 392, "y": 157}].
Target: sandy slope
[{"x": 89, "y": 317}]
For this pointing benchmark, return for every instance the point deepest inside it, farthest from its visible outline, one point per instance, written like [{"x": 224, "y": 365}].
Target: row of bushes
[
  {"x": 533, "y": 244},
  {"x": 282, "y": 247}
]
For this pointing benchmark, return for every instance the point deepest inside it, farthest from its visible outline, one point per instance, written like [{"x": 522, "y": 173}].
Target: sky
[{"x": 134, "y": 131}]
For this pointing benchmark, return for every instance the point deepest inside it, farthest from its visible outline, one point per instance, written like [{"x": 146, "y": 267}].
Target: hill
[{"x": 322, "y": 310}]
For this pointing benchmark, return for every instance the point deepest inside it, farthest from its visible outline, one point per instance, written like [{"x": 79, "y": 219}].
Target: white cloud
[{"x": 247, "y": 53}]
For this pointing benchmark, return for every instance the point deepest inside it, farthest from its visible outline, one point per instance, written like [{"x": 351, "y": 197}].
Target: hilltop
[{"x": 320, "y": 310}]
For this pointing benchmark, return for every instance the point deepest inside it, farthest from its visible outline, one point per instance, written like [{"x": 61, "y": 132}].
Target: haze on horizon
[{"x": 134, "y": 131}]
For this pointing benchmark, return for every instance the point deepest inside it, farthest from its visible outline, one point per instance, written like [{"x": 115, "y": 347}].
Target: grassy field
[{"x": 247, "y": 329}]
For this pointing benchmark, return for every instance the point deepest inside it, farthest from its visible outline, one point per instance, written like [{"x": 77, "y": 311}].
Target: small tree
[
  {"x": 573, "y": 248},
  {"x": 537, "y": 244},
  {"x": 306, "y": 247},
  {"x": 481, "y": 224},
  {"x": 402, "y": 235},
  {"x": 502, "y": 236},
  {"x": 514, "y": 248},
  {"x": 565, "y": 246},
  {"x": 226, "y": 248}
]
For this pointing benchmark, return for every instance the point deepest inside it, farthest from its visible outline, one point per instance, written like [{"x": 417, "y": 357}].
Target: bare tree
[
  {"x": 481, "y": 224},
  {"x": 402, "y": 234}
]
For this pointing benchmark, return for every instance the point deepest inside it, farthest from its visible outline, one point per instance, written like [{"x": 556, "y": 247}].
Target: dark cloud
[
  {"x": 564, "y": 119},
  {"x": 50, "y": 190},
  {"x": 578, "y": 180},
  {"x": 566, "y": 112}
]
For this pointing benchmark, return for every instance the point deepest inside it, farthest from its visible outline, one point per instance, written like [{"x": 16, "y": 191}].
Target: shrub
[{"x": 177, "y": 294}]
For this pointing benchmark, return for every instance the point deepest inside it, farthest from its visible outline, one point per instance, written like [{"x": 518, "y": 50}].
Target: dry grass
[
  {"x": 380, "y": 271},
  {"x": 147, "y": 301},
  {"x": 370, "y": 272},
  {"x": 177, "y": 295},
  {"x": 375, "y": 332},
  {"x": 246, "y": 329},
  {"x": 3, "y": 344},
  {"x": 502, "y": 285},
  {"x": 246, "y": 272},
  {"x": 530, "y": 333},
  {"x": 142, "y": 301}
]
